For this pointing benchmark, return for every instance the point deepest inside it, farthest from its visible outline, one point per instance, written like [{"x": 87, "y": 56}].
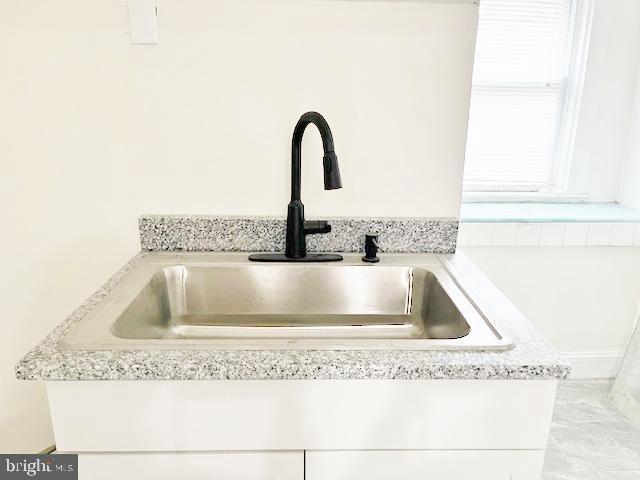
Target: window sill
[
  {"x": 523, "y": 197},
  {"x": 542, "y": 212},
  {"x": 548, "y": 224}
]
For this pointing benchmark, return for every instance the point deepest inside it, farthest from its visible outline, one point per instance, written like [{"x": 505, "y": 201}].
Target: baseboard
[{"x": 594, "y": 364}]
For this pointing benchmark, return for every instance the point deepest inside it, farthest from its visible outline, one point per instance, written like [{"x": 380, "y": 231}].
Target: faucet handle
[{"x": 316, "y": 226}]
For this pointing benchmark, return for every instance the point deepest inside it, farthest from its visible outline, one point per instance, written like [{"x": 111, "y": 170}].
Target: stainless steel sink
[{"x": 222, "y": 301}]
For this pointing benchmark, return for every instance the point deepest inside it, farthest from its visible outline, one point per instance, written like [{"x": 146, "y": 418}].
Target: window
[{"x": 519, "y": 96}]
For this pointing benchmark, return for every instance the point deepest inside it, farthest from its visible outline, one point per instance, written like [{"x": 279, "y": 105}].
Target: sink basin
[
  {"x": 270, "y": 301},
  {"x": 218, "y": 301}
]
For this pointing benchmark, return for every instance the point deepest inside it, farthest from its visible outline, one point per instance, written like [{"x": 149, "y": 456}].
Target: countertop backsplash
[{"x": 195, "y": 233}]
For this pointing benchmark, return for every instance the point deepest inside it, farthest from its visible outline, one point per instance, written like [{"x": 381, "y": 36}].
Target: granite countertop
[{"x": 532, "y": 358}]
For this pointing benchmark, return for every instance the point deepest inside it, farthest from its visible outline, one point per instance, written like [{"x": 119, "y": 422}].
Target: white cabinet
[
  {"x": 424, "y": 465},
  {"x": 349, "y": 429},
  {"x": 316, "y": 465},
  {"x": 192, "y": 466},
  {"x": 259, "y": 415}
]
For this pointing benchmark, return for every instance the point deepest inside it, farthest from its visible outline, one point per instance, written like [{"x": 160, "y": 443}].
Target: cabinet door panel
[{"x": 424, "y": 465}]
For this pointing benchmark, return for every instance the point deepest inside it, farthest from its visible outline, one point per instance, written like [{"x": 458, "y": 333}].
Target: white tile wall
[
  {"x": 504, "y": 234},
  {"x": 599, "y": 234},
  {"x": 549, "y": 234},
  {"x": 528, "y": 234},
  {"x": 575, "y": 234},
  {"x": 622, "y": 233},
  {"x": 481, "y": 234},
  {"x": 463, "y": 234},
  {"x": 552, "y": 234}
]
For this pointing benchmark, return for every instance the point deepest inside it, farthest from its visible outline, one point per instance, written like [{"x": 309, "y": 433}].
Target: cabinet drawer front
[
  {"x": 257, "y": 415},
  {"x": 192, "y": 466},
  {"x": 424, "y": 465}
]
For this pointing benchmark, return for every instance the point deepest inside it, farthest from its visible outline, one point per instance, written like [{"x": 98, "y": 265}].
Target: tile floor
[{"x": 590, "y": 439}]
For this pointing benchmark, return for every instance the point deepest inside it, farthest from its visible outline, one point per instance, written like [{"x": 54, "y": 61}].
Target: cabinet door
[
  {"x": 192, "y": 466},
  {"x": 424, "y": 465}
]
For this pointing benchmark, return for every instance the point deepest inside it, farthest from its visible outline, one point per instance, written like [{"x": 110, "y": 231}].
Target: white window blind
[{"x": 516, "y": 102}]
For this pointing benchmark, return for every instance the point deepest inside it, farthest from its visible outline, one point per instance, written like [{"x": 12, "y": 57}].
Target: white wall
[
  {"x": 629, "y": 194},
  {"x": 203, "y": 121},
  {"x": 95, "y": 132},
  {"x": 607, "y": 103},
  {"x": 583, "y": 299}
]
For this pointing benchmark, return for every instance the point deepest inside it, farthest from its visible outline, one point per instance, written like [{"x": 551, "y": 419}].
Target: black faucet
[{"x": 297, "y": 227}]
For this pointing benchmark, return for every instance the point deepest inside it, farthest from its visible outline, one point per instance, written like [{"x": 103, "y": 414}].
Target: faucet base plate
[{"x": 280, "y": 257}]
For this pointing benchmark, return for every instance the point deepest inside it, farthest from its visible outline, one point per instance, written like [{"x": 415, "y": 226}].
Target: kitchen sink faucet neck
[
  {"x": 297, "y": 227},
  {"x": 332, "y": 179}
]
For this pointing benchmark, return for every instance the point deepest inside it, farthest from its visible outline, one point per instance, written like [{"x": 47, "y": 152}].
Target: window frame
[{"x": 570, "y": 102}]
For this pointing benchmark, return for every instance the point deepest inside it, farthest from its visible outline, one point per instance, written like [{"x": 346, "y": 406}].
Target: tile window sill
[
  {"x": 547, "y": 212},
  {"x": 548, "y": 224}
]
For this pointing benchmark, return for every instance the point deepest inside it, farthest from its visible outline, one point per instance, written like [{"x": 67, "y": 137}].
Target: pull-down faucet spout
[
  {"x": 297, "y": 227},
  {"x": 332, "y": 179}
]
